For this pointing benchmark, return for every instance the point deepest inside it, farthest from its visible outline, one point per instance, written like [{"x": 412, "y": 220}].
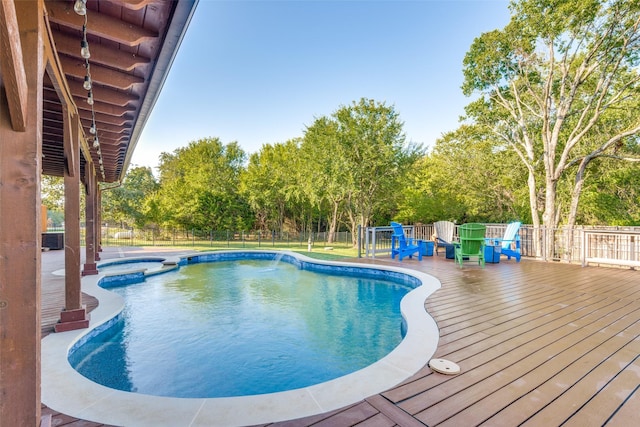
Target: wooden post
[
  {"x": 74, "y": 315},
  {"x": 98, "y": 222},
  {"x": 20, "y": 225},
  {"x": 90, "y": 234}
]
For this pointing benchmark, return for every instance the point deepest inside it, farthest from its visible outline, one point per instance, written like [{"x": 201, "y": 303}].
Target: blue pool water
[{"x": 233, "y": 328}]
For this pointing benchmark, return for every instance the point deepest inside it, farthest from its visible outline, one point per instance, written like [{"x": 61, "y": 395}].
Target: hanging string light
[
  {"x": 84, "y": 45},
  {"x": 87, "y": 79},
  {"x": 80, "y": 7}
]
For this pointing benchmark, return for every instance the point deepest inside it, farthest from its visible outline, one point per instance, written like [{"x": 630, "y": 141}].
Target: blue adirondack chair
[
  {"x": 510, "y": 242},
  {"x": 401, "y": 245}
]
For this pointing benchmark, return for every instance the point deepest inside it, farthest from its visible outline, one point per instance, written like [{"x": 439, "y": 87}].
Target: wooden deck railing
[
  {"x": 582, "y": 245},
  {"x": 611, "y": 247}
]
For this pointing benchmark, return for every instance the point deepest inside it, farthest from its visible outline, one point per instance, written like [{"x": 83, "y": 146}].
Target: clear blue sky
[{"x": 259, "y": 72}]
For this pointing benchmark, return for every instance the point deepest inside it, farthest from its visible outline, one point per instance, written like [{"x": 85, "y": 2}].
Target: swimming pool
[
  {"x": 114, "y": 267},
  {"x": 65, "y": 390},
  {"x": 244, "y": 327}
]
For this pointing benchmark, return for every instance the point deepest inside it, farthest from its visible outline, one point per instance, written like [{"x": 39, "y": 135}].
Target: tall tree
[
  {"x": 200, "y": 186},
  {"x": 557, "y": 85},
  {"x": 324, "y": 171},
  {"x": 371, "y": 143},
  {"x": 270, "y": 183},
  {"x": 126, "y": 202}
]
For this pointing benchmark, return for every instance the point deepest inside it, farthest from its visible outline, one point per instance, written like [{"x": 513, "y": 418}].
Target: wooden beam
[
  {"x": 99, "y": 25},
  {"x": 136, "y": 4},
  {"x": 101, "y": 107},
  {"x": 74, "y": 315},
  {"x": 104, "y": 118},
  {"x": 111, "y": 137},
  {"x": 71, "y": 132},
  {"x": 103, "y": 94},
  {"x": 97, "y": 228},
  {"x": 99, "y": 74},
  {"x": 114, "y": 154},
  {"x": 100, "y": 54},
  {"x": 21, "y": 232},
  {"x": 90, "y": 215},
  {"x": 54, "y": 70},
  {"x": 11, "y": 66},
  {"x": 60, "y": 83},
  {"x": 108, "y": 128}
]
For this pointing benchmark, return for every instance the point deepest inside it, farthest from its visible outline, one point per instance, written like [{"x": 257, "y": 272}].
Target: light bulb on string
[
  {"x": 84, "y": 45},
  {"x": 92, "y": 129},
  {"x": 87, "y": 82},
  {"x": 84, "y": 49},
  {"x": 80, "y": 7},
  {"x": 90, "y": 98},
  {"x": 96, "y": 143}
]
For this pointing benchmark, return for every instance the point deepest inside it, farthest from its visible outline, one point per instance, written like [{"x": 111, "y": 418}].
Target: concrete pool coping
[{"x": 65, "y": 390}]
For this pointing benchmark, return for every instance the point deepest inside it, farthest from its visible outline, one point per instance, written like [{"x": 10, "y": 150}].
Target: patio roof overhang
[
  {"x": 132, "y": 46},
  {"x": 45, "y": 123}
]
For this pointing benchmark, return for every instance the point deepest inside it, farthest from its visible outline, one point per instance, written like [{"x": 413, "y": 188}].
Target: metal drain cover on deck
[{"x": 444, "y": 366}]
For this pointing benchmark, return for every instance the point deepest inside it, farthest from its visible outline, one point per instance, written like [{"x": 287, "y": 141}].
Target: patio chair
[
  {"x": 471, "y": 244},
  {"x": 401, "y": 245},
  {"x": 510, "y": 242},
  {"x": 443, "y": 234}
]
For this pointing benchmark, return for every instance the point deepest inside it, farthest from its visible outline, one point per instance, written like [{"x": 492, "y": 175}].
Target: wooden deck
[{"x": 538, "y": 344}]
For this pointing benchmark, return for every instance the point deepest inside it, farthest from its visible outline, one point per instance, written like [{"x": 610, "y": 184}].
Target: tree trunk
[
  {"x": 333, "y": 222},
  {"x": 535, "y": 218},
  {"x": 575, "y": 201},
  {"x": 353, "y": 228},
  {"x": 549, "y": 218}
]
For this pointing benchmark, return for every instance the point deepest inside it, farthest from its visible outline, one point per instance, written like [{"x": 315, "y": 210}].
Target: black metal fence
[{"x": 118, "y": 236}]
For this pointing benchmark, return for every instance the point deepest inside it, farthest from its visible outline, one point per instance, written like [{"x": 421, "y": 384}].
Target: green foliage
[
  {"x": 371, "y": 143},
  {"x": 125, "y": 204},
  {"x": 559, "y": 87},
  {"x": 465, "y": 179},
  {"x": 270, "y": 184},
  {"x": 52, "y": 192},
  {"x": 354, "y": 168},
  {"x": 199, "y": 186},
  {"x": 324, "y": 171},
  {"x": 55, "y": 218},
  {"x": 612, "y": 196},
  {"x": 53, "y": 198}
]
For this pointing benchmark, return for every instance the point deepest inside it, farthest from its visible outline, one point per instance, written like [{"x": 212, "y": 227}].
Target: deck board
[
  {"x": 529, "y": 374},
  {"x": 392, "y": 412},
  {"x": 357, "y": 414},
  {"x": 539, "y": 344},
  {"x": 494, "y": 367},
  {"x": 627, "y": 414},
  {"x": 378, "y": 420},
  {"x": 559, "y": 392}
]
